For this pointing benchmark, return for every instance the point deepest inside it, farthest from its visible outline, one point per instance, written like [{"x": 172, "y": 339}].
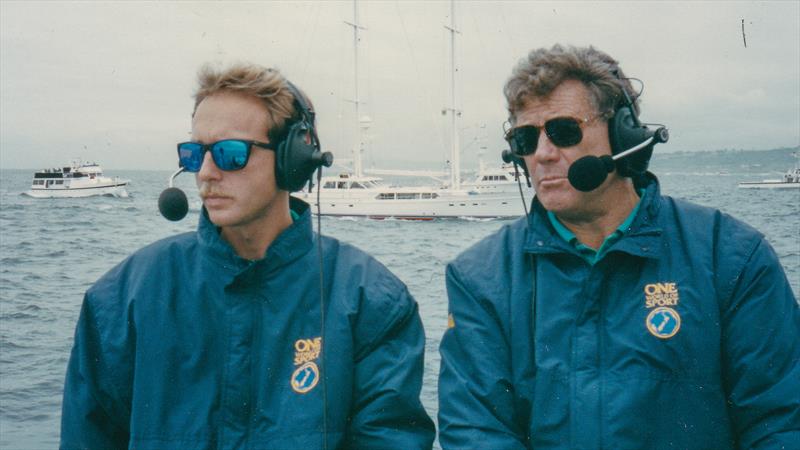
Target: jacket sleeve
[
  {"x": 476, "y": 393},
  {"x": 387, "y": 412},
  {"x": 93, "y": 414},
  {"x": 761, "y": 354}
]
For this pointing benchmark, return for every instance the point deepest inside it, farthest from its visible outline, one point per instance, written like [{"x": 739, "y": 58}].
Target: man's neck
[
  {"x": 613, "y": 208},
  {"x": 251, "y": 241}
]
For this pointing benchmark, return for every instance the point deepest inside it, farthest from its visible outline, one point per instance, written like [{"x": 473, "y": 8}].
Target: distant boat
[
  {"x": 76, "y": 180},
  {"x": 494, "y": 179},
  {"x": 347, "y": 195},
  {"x": 791, "y": 179}
]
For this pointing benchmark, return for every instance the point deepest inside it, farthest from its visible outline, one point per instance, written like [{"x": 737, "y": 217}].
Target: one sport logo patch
[
  {"x": 664, "y": 321},
  {"x": 306, "y": 352},
  {"x": 305, "y": 377}
]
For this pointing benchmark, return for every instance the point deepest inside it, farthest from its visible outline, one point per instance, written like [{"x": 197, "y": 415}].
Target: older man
[
  {"x": 241, "y": 334},
  {"x": 613, "y": 316}
]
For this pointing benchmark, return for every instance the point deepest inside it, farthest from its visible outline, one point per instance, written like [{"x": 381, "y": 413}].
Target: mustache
[{"x": 208, "y": 189}]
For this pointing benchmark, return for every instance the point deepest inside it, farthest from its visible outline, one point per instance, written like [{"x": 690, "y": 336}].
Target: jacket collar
[
  {"x": 291, "y": 244},
  {"x": 642, "y": 238}
]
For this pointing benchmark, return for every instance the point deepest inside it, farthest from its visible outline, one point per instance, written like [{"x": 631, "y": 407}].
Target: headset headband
[{"x": 306, "y": 111}]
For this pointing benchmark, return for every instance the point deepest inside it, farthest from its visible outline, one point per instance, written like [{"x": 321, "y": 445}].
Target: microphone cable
[
  {"x": 323, "y": 372},
  {"x": 519, "y": 185}
]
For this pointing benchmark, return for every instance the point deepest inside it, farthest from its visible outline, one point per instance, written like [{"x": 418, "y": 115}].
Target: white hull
[
  {"x": 791, "y": 179},
  {"x": 448, "y": 204},
  {"x": 769, "y": 184},
  {"x": 115, "y": 188}
]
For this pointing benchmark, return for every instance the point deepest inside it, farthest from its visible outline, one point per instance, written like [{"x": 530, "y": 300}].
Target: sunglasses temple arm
[{"x": 172, "y": 177}]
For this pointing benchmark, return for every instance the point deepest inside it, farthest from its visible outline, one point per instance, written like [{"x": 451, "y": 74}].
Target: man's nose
[
  {"x": 209, "y": 169},
  {"x": 546, "y": 151}
]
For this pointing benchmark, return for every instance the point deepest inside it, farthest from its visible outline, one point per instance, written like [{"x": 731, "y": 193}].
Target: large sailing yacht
[{"x": 489, "y": 195}]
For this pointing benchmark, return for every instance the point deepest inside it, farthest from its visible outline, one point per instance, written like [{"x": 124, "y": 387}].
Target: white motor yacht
[{"x": 76, "y": 180}]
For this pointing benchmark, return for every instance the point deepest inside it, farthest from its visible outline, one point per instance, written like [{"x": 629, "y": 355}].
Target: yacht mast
[
  {"x": 455, "y": 158},
  {"x": 358, "y": 145}
]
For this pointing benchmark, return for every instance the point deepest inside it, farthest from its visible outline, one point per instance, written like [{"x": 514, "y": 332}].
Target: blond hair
[{"x": 266, "y": 84}]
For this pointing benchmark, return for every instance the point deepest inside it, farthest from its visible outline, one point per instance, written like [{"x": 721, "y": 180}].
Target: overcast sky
[{"x": 112, "y": 82}]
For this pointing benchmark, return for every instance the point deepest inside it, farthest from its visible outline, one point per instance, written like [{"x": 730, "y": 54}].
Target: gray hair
[{"x": 540, "y": 73}]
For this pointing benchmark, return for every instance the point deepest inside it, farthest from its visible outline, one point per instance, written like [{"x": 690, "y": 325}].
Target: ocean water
[{"x": 52, "y": 250}]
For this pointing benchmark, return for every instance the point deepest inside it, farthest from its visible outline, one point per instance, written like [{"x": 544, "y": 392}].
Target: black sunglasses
[
  {"x": 562, "y": 132},
  {"x": 228, "y": 154}
]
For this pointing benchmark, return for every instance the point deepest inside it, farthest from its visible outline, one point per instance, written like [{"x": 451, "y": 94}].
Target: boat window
[
  {"x": 342, "y": 185},
  {"x": 386, "y": 196},
  {"x": 407, "y": 196},
  {"x": 485, "y": 178},
  {"x": 329, "y": 185},
  {"x": 59, "y": 181},
  {"x": 356, "y": 185}
]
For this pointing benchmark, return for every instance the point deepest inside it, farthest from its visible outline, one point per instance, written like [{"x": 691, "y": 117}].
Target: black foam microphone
[
  {"x": 172, "y": 202},
  {"x": 588, "y": 173}
]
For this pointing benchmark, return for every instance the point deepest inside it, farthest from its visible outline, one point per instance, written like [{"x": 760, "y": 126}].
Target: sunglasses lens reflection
[
  {"x": 525, "y": 140},
  {"x": 230, "y": 155},
  {"x": 564, "y": 132},
  {"x": 190, "y": 156}
]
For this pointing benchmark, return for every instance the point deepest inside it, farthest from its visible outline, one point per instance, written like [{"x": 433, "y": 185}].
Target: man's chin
[
  {"x": 555, "y": 201},
  {"x": 220, "y": 217}
]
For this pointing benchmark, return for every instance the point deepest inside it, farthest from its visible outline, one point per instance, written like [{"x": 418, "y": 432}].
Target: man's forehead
[
  {"x": 570, "y": 98},
  {"x": 229, "y": 116}
]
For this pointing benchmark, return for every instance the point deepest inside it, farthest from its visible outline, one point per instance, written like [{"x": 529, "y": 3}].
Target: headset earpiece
[
  {"x": 298, "y": 153},
  {"x": 624, "y": 132}
]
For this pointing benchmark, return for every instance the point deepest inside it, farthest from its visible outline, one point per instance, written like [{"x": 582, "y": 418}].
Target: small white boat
[
  {"x": 791, "y": 179},
  {"x": 77, "y": 180}
]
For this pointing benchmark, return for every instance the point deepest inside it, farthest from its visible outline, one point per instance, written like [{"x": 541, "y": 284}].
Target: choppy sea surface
[{"x": 52, "y": 250}]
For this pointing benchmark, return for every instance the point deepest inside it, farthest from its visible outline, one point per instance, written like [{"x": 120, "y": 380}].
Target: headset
[
  {"x": 298, "y": 152},
  {"x": 625, "y": 131}
]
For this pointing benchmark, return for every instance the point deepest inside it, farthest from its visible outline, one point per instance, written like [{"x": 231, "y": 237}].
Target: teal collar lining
[{"x": 589, "y": 254}]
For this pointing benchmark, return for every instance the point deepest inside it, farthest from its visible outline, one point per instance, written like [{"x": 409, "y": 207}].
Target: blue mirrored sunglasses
[{"x": 228, "y": 154}]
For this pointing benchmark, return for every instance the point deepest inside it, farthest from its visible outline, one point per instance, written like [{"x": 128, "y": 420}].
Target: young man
[
  {"x": 215, "y": 339},
  {"x": 613, "y": 317}
]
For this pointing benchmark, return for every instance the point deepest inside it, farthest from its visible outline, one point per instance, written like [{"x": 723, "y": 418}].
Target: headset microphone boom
[{"x": 588, "y": 173}]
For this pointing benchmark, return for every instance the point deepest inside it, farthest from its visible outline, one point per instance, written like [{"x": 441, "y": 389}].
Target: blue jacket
[
  {"x": 685, "y": 335},
  {"x": 185, "y": 345}
]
